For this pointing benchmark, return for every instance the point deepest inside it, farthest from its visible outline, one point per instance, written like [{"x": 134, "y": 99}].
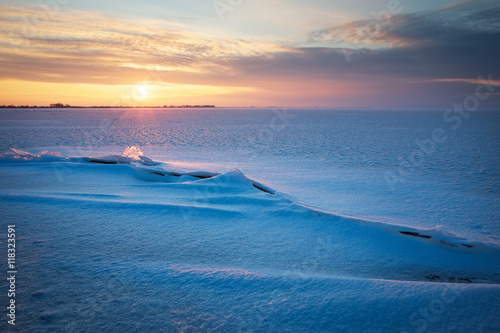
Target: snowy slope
[{"x": 123, "y": 239}]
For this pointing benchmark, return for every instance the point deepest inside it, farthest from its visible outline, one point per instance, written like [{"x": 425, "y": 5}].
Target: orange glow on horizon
[{"x": 18, "y": 92}]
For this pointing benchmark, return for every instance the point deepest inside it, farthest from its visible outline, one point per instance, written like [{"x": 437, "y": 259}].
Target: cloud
[
  {"x": 414, "y": 56},
  {"x": 417, "y": 29},
  {"x": 75, "y": 44},
  {"x": 458, "y": 42}
]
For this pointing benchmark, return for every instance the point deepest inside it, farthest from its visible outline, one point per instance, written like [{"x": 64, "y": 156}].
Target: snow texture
[
  {"x": 246, "y": 220},
  {"x": 156, "y": 249}
]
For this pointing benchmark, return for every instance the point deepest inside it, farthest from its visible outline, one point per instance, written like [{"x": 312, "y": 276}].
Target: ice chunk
[
  {"x": 47, "y": 153},
  {"x": 133, "y": 152},
  {"x": 130, "y": 154},
  {"x": 147, "y": 161},
  {"x": 18, "y": 154},
  {"x": 21, "y": 153}
]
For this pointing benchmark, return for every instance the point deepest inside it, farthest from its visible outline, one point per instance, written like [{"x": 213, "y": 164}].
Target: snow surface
[
  {"x": 332, "y": 159},
  {"x": 100, "y": 243},
  {"x": 255, "y": 221}
]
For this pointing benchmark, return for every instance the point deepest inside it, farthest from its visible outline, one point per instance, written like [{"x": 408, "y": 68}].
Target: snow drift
[{"x": 129, "y": 236}]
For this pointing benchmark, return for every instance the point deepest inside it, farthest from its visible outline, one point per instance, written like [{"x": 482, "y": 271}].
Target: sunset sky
[{"x": 298, "y": 53}]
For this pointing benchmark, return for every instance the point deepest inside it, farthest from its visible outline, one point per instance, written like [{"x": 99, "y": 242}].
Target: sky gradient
[{"x": 248, "y": 53}]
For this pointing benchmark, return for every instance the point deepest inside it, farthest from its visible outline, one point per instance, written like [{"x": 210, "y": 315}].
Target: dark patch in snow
[
  {"x": 200, "y": 176},
  {"x": 437, "y": 278},
  {"x": 415, "y": 234},
  {"x": 173, "y": 174},
  {"x": 448, "y": 243},
  {"x": 263, "y": 189},
  {"x": 157, "y": 173},
  {"x": 176, "y": 174},
  {"x": 94, "y": 160}
]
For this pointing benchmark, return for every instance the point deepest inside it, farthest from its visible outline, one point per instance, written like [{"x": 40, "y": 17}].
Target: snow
[
  {"x": 218, "y": 253},
  {"x": 188, "y": 238}
]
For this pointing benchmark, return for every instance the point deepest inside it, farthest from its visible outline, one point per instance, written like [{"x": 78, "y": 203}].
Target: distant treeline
[{"x": 61, "y": 105}]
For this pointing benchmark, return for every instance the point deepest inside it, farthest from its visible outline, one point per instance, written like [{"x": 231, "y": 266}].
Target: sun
[
  {"x": 143, "y": 91},
  {"x": 140, "y": 92}
]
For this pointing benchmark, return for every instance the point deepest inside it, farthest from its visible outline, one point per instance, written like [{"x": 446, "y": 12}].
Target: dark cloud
[{"x": 457, "y": 42}]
